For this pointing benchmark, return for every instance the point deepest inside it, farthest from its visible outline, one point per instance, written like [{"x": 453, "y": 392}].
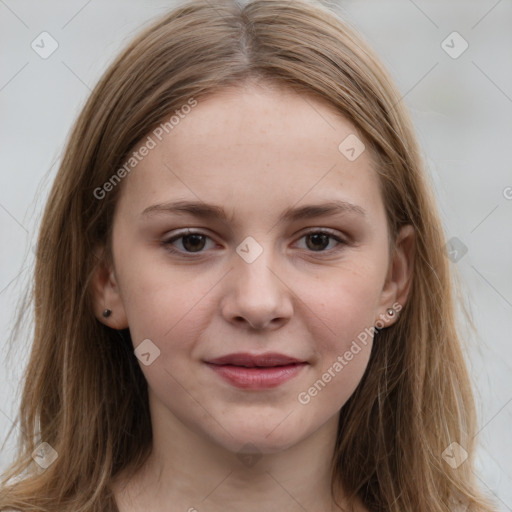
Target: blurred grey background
[{"x": 452, "y": 61}]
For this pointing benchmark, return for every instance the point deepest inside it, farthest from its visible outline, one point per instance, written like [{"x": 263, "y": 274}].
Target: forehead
[
  {"x": 253, "y": 147},
  {"x": 254, "y": 115}
]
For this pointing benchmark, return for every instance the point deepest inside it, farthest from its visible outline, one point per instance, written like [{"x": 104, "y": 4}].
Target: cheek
[
  {"x": 344, "y": 301},
  {"x": 336, "y": 380},
  {"x": 344, "y": 312},
  {"x": 160, "y": 299},
  {"x": 163, "y": 312},
  {"x": 343, "y": 343}
]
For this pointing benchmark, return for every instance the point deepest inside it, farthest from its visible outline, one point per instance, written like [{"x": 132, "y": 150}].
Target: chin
[{"x": 257, "y": 436}]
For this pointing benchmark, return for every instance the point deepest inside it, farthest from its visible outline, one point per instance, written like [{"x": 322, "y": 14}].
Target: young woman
[{"x": 242, "y": 300}]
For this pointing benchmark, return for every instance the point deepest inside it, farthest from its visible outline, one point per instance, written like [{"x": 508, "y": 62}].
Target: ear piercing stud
[
  {"x": 107, "y": 313},
  {"x": 390, "y": 312}
]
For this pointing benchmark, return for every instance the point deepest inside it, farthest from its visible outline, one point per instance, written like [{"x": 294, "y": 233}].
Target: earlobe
[
  {"x": 108, "y": 304},
  {"x": 399, "y": 278}
]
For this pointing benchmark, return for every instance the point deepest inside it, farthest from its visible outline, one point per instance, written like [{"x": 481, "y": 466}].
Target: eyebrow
[{"x": 210, "y": 211}]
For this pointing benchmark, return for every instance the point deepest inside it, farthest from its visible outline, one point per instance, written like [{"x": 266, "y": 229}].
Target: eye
[
  {"x": 194, "y": 242},
  {"x": 191, "y": 242},
  {"x": 318, "y": 240}
]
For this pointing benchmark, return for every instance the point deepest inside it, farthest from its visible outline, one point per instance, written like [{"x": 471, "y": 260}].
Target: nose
[{"x": 257, "y": 295}]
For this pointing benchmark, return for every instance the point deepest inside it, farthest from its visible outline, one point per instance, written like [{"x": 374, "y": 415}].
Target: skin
[{"x": 255, "y": 151}]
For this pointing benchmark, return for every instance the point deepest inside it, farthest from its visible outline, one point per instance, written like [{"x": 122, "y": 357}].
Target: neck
[{"x": 195, "y": 474}]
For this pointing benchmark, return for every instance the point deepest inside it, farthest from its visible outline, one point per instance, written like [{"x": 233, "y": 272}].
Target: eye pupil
[
  {"x": 318, "y": 237},
  {"x": 194, "y": 246}
]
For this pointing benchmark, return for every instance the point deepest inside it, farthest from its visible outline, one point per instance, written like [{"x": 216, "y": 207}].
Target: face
[{"x": 254, "y": 300}]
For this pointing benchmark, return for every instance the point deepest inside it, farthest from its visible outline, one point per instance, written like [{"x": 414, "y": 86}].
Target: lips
[
  {"x": 270, "y": 359},
  {"x": 256, "y": 372}
]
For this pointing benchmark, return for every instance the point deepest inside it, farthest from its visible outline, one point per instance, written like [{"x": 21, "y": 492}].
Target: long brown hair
[{"x": 84, "y": 392}]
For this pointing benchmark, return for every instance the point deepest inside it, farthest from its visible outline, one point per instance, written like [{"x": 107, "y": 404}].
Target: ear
[
  {"x": 399, "y": 277},
  {"x": 106, "y": 293}
]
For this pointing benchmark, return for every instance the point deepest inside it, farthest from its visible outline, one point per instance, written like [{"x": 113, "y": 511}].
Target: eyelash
[{"x": 168, "y": 242}]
